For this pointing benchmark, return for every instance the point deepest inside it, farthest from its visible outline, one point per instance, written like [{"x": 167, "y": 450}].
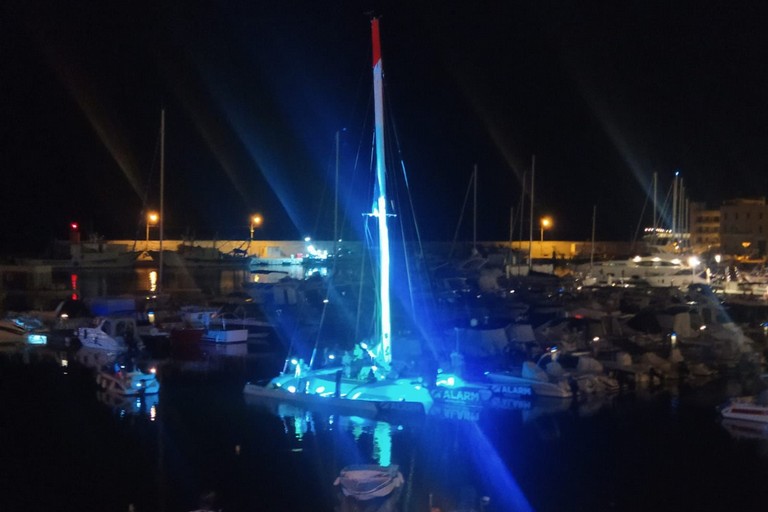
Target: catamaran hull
[{"x": 265, "y": 395}]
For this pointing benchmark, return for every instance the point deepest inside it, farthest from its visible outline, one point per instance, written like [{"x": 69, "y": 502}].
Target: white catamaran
[{"x": 376, "y": 390}]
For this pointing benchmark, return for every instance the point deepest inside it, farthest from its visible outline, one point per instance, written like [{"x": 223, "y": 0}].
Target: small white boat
[
  {"x": 224, "y": 335},
  {"x": 111, "y": 333},
  {"x": 369, "y": 481},
  {"x": 128, "y": 383},
  {"x": 247, "y": 315},
  {"x": 748, "y": 408},
  {"x": 11, "y": 332}
]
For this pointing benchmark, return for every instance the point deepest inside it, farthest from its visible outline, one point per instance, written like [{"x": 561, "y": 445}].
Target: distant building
[
  {"x": 744, "y": 227},
  {"x": 704, "y": 228}
]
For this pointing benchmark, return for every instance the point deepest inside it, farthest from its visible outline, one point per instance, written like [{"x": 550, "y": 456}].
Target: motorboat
[
  {"x": 549, "y": 383},
  {"x": 59, "y": 323},
  {"x": 587, "y": 374},
  {"x": 111, "y": 333},
  {"x": 746, "y": 408},
  {"x": 452, "y": 388},
  {"x": 13, "y": 333},
  {"x": 660, "y": 270},
  {"x": 246, "y": 315},
  {"x": 368, "y": 481}
]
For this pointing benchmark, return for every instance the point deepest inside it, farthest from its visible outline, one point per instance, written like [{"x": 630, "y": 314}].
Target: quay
[
  {"x": 70, "y": 255},
  {"x": 77, "y": 253}
]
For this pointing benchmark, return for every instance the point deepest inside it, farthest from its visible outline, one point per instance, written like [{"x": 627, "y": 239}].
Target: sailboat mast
[
  {"x": 380, "y": 208},
  {"x": 474, "y": 212},
  {"x": 530, "y": 220},
  {"x": 655, "y": 207},
  {"x": 674, "y": 206},
  {"x": 162, "y": 198},
  {"x": 681, "y": 211},
  {"x": 336, "y": 200},
  {"x": 592, "y": 251}
]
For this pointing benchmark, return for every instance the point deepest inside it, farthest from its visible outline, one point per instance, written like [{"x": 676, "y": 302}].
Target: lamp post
[
  {"x": 546, "y": 223},
  {"x": 152, "y": 218},
  {"x": 255, "y": 222}
]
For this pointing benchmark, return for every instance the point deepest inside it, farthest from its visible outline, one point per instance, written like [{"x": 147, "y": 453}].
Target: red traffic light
[{"x": 74, "y": 226}]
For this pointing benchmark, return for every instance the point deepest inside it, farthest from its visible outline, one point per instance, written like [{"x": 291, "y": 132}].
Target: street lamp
[
  {"x": 255, "y": 222},
  {"x": 546, "y": 223},
  {"x": 152, "y": 218}
]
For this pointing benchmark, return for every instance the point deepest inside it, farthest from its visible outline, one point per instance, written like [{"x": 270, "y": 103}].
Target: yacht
[{"x": 655, "y": 269}]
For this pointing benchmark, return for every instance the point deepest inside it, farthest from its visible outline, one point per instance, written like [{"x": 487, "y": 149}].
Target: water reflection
[
  {"x": 205, "y": 436},
  {"x": 130, "y": 406},
  {"x": 446, "y": 464},
  {"x": 182, "y": 281},
  {"x": 299, "y": 422}
]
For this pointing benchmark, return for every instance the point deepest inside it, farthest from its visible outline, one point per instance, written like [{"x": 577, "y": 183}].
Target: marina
[{"x": 383, "y": 373}]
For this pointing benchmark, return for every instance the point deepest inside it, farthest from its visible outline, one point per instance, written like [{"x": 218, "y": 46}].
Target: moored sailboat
[{"x": 379, "y": 389}]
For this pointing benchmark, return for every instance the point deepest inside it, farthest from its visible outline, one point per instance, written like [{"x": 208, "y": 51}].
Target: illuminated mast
[{"x": 380, "y": 207}]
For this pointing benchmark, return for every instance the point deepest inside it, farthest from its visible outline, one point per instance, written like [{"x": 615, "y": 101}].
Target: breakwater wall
[
  {"x": 547, "y": 249},
  {"x": 561, "y": 249}
]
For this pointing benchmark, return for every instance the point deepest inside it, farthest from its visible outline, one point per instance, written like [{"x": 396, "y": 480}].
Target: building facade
[
  {"x": 704, "y": 228},
  {"x": 744, "y": 227}
]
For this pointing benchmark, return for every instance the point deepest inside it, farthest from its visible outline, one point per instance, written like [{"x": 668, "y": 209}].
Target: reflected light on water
[
  {"x": 505, "y": 491},
  {"x": 298, "y": 424},
  {"x": 153, "y": 280},
  {"x": 382, "y": 438}
]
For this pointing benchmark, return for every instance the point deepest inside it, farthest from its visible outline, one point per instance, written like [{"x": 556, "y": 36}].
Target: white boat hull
[
  {"x": 225, "y": 335},
  {"x": 369, "y": 399},
  {"x": 560, "y": 388},
  {"x": 94, "y": 337},
  {"x": 746, "y": 409}
]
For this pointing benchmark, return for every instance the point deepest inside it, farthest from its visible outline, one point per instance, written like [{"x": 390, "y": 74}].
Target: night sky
[{"x": 603, "y": 95}]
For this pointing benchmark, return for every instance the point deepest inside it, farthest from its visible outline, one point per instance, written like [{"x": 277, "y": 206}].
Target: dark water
[{"x": 65, "y": 447}]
